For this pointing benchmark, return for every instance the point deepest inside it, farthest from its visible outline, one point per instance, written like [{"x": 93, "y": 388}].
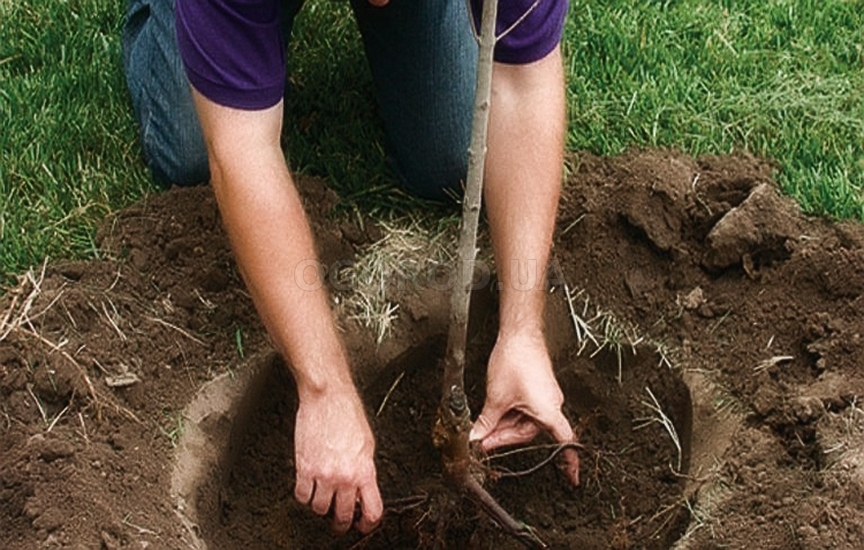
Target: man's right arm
[{"x": 271, "y": 237}]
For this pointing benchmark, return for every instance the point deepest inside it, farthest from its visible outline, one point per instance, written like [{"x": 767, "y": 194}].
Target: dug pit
[{"x": 636, "y": 433}]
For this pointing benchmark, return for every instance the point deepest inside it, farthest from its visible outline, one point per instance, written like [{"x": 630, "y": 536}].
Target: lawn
[{"x": 780, "y": 79}]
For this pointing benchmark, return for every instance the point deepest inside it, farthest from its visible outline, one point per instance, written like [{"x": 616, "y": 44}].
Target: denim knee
[
  {"x": 433, "y": 171},
  {"x": 423, "y": 59},
  {"x": 174, "y": 153},
  {"x": 171, "y": 138}
]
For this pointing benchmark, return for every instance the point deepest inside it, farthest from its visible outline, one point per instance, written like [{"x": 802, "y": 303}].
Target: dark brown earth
[{"x": 701, "y": 285}]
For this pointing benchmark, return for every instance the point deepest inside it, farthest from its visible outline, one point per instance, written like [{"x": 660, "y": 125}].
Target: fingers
[
  {"x": 560, "y": 428},
  {"x": 304, "y": 489},
  {"x": 518, "y": 428},
  {"x": 373, "y": 508},
  {"x": 343, "y": 510},
  {"x": 322, "y": 500},
  {"x": 570, "y": 466},
  {"x": 511, "y": 432}
]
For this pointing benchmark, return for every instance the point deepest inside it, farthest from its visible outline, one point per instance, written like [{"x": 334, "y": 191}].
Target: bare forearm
[
  {"x": 274, "y": 247},
  {"x": 523, "y": 175},
  {"x": 283, "y": 279}
]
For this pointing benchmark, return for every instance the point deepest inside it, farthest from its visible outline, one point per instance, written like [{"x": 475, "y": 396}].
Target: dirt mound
[{"x": 142, "y": 405}]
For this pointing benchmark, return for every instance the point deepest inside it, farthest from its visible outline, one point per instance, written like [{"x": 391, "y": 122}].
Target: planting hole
[{"x": 636, "y": 435}]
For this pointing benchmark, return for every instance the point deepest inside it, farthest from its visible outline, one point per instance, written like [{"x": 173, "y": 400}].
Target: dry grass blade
[
  {"x": 14, "y": 318},
  {"x": 776, "y": 360},
  {"x": 19, "y": 317},
  {"x": 111, "y": 320},
  {"x": 38, "y": 403},
  {"x": 400, "y": 259},
  {"x": 583, "y": 329},
  {"x": 94, "y": 395},
  {"x": 57, "y": 419},
  {"x": 664, "y": 421},
  {"x": 178, "y": 329},
  {"x": 389, "y": 393}
]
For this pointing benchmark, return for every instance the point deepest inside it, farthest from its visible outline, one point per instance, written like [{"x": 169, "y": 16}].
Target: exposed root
[
  {"x": 556, "y": 450},
  {"x": 522, "y": 532}
]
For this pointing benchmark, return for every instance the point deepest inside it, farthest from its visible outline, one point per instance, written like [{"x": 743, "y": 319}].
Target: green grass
[
  {"x": 781, "y": 79},
  {"x": 67, "y": 144}
]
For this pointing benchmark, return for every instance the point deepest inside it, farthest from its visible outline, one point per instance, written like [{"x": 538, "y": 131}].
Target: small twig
[
  {"x": 111, "y": 320},
  {"x": 768, "y": 363},
  {"x": 175, "y": 327},
  {"x": 141, "y": 530},
  {"x": 57, "y": 418},
  {"x": 389, "y": 392},
  {"x": 38, "y": 404}
]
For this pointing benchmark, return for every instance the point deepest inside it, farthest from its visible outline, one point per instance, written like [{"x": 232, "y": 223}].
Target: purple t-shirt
[
  {"x": 533, "y": 28},
  {"x": 233, "y": 50}
]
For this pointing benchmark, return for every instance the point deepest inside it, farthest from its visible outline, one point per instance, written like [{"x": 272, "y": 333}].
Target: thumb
[{"x": 485, "y": 423}]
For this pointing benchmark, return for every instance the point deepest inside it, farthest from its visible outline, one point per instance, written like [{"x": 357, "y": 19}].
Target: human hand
[
  {"x": 334, "y": 450},
  {"x": 523, "y": 398}
]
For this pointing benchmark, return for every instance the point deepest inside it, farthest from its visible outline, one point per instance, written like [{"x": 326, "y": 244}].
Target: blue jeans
[{"x": 422, "y": 57}]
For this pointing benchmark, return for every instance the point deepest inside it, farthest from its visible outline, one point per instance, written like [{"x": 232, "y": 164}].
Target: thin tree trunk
[
  {"x": 454, "y": 416},
  {"x": 453, "y": 426}
]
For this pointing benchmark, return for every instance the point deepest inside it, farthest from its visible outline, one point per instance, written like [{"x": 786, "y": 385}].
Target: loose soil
[{"x": 143, "y": 406}]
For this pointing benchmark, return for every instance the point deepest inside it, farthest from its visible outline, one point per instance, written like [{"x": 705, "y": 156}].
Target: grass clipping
[{"x": 403, "y": 260}]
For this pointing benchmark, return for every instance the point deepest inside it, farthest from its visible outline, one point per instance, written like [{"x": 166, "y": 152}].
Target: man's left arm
[{"x": 522, "y": 185}]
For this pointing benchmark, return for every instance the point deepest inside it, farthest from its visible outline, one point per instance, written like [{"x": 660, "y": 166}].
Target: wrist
[
  {"x": 522, "y": 313},
  {"x": 521, "y": 332},
  {"x": 321, "y": 375}
]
